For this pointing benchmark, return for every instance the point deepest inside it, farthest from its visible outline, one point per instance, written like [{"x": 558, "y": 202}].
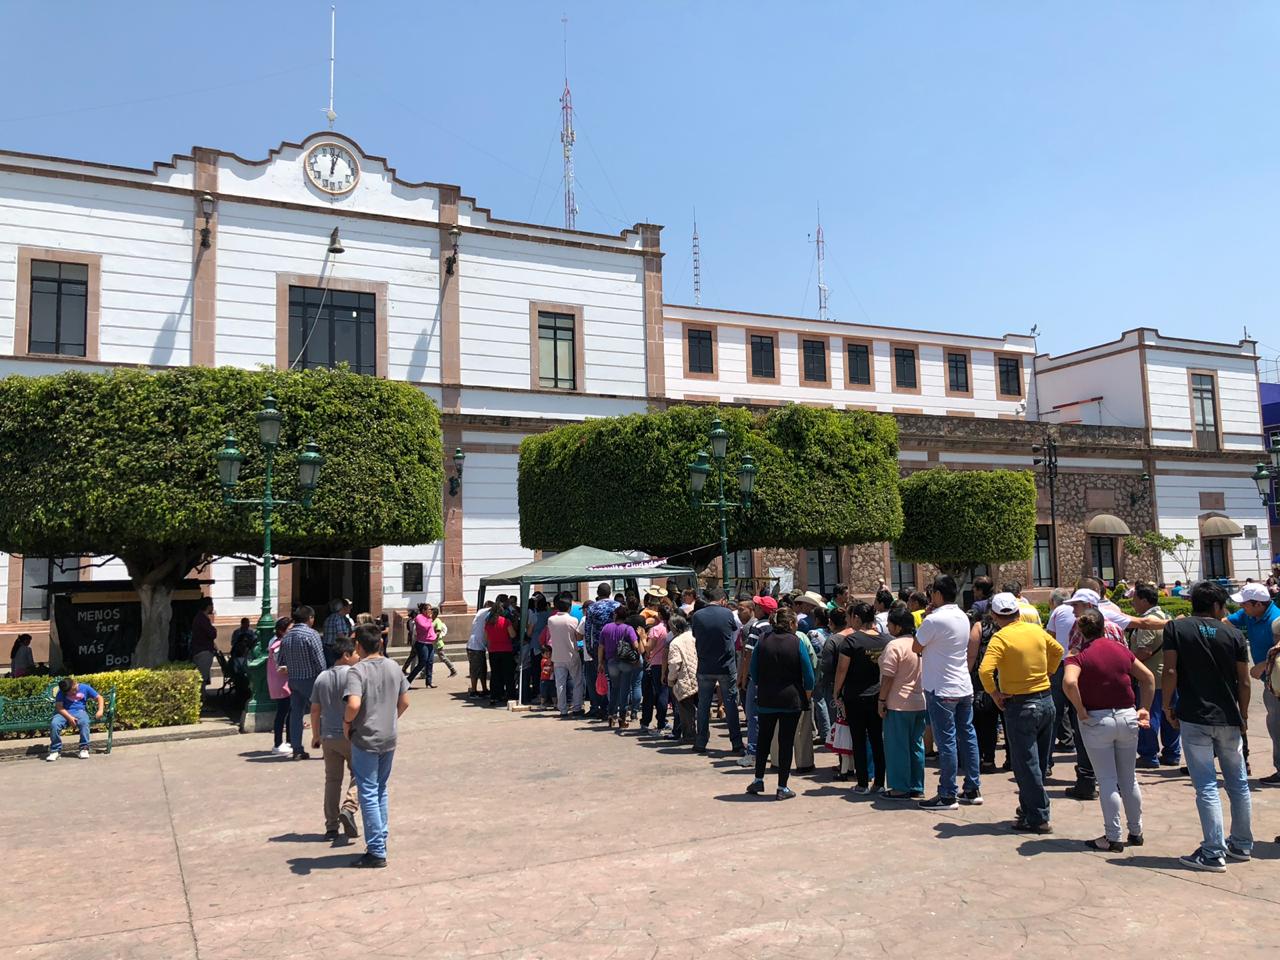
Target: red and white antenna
[
  {"x": 697, "y": 263},
  {"x": 567, "y": 137}
]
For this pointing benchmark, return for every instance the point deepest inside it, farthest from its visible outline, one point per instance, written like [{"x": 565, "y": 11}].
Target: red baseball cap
[{"x": 766, "y": 603}]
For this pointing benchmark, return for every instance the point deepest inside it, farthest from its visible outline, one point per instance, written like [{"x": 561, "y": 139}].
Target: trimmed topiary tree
[
  {"x": 123, "y": 464},
  {"x": 956, "y": 519},
  {"x": 618, "y": 483}
]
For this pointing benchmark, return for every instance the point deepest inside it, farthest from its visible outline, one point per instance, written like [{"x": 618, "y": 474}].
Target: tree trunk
[
  {"x": 155, "y": 583},
  {"x": 157, "y": 613}
]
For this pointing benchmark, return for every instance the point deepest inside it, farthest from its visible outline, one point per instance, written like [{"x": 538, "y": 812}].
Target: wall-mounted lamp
[
  {"x": 455, "y": 481},
  {"x": 206, "y": 208},
  {"x": 335, "y": 243},
  {"x": 451, "y": 261},
  {"x": 1136, "y": 497}
]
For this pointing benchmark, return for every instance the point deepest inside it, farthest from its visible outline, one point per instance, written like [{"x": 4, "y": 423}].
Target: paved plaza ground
[{"x": 523, "y": 836}]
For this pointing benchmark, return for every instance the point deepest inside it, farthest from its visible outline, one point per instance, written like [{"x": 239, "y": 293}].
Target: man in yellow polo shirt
[{"x": 1025, "y": 657}]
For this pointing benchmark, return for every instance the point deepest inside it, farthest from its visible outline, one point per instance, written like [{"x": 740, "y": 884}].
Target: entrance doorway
[{"x": 316, "y": 582}]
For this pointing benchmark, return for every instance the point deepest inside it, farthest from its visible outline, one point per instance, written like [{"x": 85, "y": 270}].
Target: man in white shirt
[
  {"x": 477, "y": 645},
  {"x": 946, "y": 657},
  {"x": 563, "y": 632}
]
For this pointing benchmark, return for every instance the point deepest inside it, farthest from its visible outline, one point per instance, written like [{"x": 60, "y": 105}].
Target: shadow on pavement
[
  {"x": 297, "y": 838},
  {"x": 947, "y": 830},
  {"x": 1156, "y": 863},
  {"x": 305, "y": 865}
]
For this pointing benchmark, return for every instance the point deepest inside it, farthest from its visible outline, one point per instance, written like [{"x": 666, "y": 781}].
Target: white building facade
[{"x": 212, "y": 259}]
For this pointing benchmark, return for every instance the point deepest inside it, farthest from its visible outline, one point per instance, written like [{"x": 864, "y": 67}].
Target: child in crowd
[{"x": 547, "y": 688}]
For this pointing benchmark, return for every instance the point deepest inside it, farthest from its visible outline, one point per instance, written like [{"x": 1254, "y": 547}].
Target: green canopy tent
[{"x": 577, "y": 565}]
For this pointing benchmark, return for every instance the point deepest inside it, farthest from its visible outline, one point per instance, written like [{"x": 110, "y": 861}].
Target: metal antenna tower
[
  {"x": 333, "y": 33},
  {"x": 824, "y": 292},
  {"x": 567, "y": 137},
  {"x": 697, "y": 263}
]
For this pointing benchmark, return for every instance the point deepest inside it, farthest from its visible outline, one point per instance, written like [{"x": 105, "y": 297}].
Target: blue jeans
[
  {"x": 1162, "y": 738},
  {"x": 371, "y": 771},
  {"x": 299, "y": 707},
  {"x": 1200, "y": 744},
  {"x": 426, "y": 660},
  {"x": 956, "y": 740},
  {"x": 622, "y": 682},
  {"x": 753, "y": 721},
  {"x": 904, "y": 750},
  {"x": 60, "y": 723},
  {"x": 707, "y": 693},
  {"x": 656, "y": 697},
  {"x": 1028, "y": 729},
  {"x": 821, "y": 718}
]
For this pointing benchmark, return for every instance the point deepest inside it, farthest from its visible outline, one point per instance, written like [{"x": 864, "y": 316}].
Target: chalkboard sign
[{"x": 98, "y": 629}]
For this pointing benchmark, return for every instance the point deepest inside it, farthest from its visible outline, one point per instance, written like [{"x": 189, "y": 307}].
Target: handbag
[
  {"x": 840, "y": 740},
  {"x": 602, "y": 684}
]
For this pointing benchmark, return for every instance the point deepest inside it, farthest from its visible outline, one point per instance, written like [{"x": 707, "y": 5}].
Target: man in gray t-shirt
[
  {"x": 328, "y": 704},
  {"x": 377, "y": 693}
]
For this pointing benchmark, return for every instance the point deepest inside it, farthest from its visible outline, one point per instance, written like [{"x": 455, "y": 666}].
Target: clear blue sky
[{"x": 1087, "y": 166}]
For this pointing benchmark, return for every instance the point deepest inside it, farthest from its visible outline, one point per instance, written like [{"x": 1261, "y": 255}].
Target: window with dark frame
[
  {"x": 958, "y": 372},
  {"x": 1010, "y": 369},
  {"x": 823, "y": 569},
  {"x": 411, "y": 575},
  {"x": 815, "y": 360},
  {"x": 556, "y": 347},
  {"x": 741, "y": 566},
  {"x": 701, "y": 353},
  {"x": 1204, "y": 411},
  {"x": 762, "y": 357},
  {"x": 1042, "y": 557},
  {"x": 902, "y": 576},
  {"x": 331, "y": 327},
  {"x": 859, "y": 364},
  {"x": 904, "y": 368},
  {"x": 58, "y": 323},
  {"x": 244, "y": 580},
  {"x": 1102, "y": 551},
  {"x": 37, "y": 573},
  {"x": 1214, "y": 559}
]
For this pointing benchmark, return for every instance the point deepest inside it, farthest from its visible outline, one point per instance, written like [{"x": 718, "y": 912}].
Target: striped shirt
[{"x": 301, "y": 653}]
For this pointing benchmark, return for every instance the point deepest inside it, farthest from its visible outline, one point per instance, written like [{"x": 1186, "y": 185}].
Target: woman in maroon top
[{"x": 1099, "y": 682}]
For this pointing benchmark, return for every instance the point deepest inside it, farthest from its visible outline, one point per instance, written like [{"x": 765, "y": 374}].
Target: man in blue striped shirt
[{"x": 301, "y": 653}]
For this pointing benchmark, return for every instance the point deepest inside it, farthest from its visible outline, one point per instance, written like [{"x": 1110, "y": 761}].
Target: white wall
[
  {"x": 144, "y": 239},
  {"x": 499, "y": 277},
  {"x": 733, "y": 362},
  {"x": 255, "y": 243},
  {"x": 490, "y": 521},
  {"x": 394, "y": 596},
  {"x": 1117, "y": 379},
  {"x": 1238, "y": 400},
  {"x": 1178, "y": 501}
]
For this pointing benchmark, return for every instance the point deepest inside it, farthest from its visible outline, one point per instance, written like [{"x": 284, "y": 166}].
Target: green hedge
[
  {"x": 162, "y": 697},
  {"x": 824, "y": 476},
  {"x": 960, "y": 518}
]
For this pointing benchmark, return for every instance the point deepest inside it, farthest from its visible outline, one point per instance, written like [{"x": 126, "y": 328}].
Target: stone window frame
[
  {"x": 685, "y": 328},
  {"x": 825, "y": 341},
  {"x": 379, "y": 290},
  {"x": 1022, "y": 378},
  {"x": 894, "y": 347},
  {"x": 579, "y": 365},
  {"x": 1192, "y": 373},
  {"x": 777, "y": 355},
  {"x": 946, "y": 371},
  {"x": 846, "y": 343},
  {"x": 92, "y": 307}
]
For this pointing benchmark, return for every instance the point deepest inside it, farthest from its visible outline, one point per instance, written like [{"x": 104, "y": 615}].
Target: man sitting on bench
[{"x": 70, "y": 707}]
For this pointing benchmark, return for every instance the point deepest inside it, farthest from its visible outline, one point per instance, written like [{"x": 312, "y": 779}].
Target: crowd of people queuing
[{"x": 887, "y": 682}]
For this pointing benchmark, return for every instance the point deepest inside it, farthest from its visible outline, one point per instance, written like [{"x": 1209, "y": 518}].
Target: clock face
[{"x": 332, "y": 168}]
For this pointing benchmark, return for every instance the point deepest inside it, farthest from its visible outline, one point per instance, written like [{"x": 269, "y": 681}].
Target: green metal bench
[{"x": 20, "y": 714}]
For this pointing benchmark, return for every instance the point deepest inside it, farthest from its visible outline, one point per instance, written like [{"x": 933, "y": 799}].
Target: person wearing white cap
[
  {"x": 1259, "y": 620},
  {"x": 1025, "y": 657}
]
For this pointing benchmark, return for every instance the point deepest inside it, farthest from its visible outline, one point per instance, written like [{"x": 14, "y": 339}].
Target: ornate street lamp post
[
  {"x": 230, "y": 459},
  {"x": 702, "y": 468}
]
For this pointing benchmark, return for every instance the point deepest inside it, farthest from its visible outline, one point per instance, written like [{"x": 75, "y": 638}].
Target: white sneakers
[
  {"x": 282, "y": 749},
  {"x": 83, "y": 754},
  {"x": 49, "y": 758},
  {"x": 52, "y": 757}
]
